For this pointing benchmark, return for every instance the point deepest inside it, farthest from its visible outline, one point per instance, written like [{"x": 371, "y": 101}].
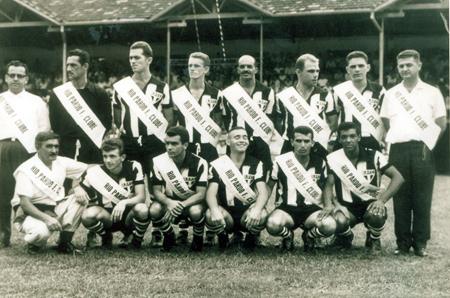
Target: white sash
[
  {"x": 350, "y": 176},
  {"x": 360, "y": 108},
  {"x": 248, "y": 109},
  {"x": 233, "y": 179},
  {"x": 195, "y": 115},
  {"x": 172, "y": 176},
  {"x": 22, "y": 130},
  {"x": 300, "y": 178},
  {"x": 78, "y": 109},
  {"x": 141, "y": 105},
  {"x": 43, "y": 178},
  {"x": 429, "y": 130},
  {"x": 301, "y": 111},
  {"x": 105, "y": 185}
]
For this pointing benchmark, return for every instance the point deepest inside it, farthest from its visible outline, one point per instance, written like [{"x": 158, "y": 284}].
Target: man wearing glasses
[{"x": 22, "y": 116}]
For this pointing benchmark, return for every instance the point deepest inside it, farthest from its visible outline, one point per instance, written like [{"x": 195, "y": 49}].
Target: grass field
[{"x": 266, "y": 272}]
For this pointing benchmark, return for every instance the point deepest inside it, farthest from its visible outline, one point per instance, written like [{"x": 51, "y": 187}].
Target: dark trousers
[
  {"x": 204, "y": 150},
  {"x": 88, "y": 153},
  {"x": 412, "y": 203},
  {"x": 12, "y": 154}
]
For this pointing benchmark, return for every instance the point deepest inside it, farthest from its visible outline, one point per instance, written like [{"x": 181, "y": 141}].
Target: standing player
[
  {"x": 179, "y": 179},
  {"x": 229, "y": 209},
  {"x": 118, "y": 189},
  {"x": 357, "y": 175},
  {"x": 295, "y": 209},
  {"x": 65, "y": 125},
  {"x": 359, "y": 100},
  {"x": 264, "y": 96},
  {"x": 16, "y": 145},
  {"x": 307, "y": 71},
  {"x": 415, "y": 116},
  {"x": 39, "y": 202},
  {"x": 140, "y": 144}
]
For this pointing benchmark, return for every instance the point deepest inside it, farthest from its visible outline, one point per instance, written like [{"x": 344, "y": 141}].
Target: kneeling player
[
  {"x": 356, "y": 173},
  {"x": 237, "y": 192},
  {"x": 179, "y": 179},
  {"x": 117, "y": 186},
  {"x": 301, "y": 176}
]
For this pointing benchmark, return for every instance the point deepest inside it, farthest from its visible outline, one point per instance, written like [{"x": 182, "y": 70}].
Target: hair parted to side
[
  {"x": 111, "y": 144},
  {"x": 44, "y": 136},
  {"x": 202, "y": 56},
  {"x": 344, "y": 126},
  {"x": 179, "y": 131},
  {"x": 17, "y": 63},
  {"x": 410, "y": 53},
  {"x": 357, "y": 54},
  {"x": 82, "y": 55},
  {"x": 300, "y": 63},
  {"x": 304, "y": 130},
  {"x": 146, "y": 48}
]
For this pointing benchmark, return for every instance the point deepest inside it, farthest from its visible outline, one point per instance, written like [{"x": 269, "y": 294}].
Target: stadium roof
[{"x": 91, "y": 12}]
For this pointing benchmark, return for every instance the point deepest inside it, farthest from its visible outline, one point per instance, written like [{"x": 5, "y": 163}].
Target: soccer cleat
[
  {"x": 209, "y": 239},
  {"x": 344, "y": 242},
  {"x": 183, "y": 236},
  {"x": 401, "y": 251},
  {"x": 91, "y": 239},
  {"x": 168, "y": 241},
  {"x": 125, "y": 242},
  {"x": 136, "y": 243},
  {"x": 157, "y": 239},
  {"x": 222, "y": 239},
  {"x": 107, "y": 240},
  {"x": 197, "y": 243},
  {"x": 33, "y": 249},
  {"x": 236, "y": 239},
  {"x": 68, "y": 248},
  {"x": 308, "y": 242},
  {"x": 250, "y": 242},
  {"x": 287, "y": 243},
  {"x": 420, "y": 252},
  {"x": 372, "y": 245}
]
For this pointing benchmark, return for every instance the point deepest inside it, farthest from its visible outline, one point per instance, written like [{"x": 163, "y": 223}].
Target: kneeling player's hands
[
  {"x": 253, "y": 217},
  {"x": 118, "y": 211},
  {"x": 377, "y": 208},
  {"x": 217, "y": 218},
  {"x": 325, "y": 212},
  {"x": 175, "y": 208},
  {"x": 53, "y": 224},
  {"x": 81, "y": 195}
]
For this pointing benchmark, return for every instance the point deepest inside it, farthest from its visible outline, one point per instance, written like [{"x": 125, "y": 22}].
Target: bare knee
[
  {"x": 196, "y": 212},
  {"x": 342, "y": 222},
  {"x": 140, "y": 211},
  {"x": 275, "y": 223},
  {"x": 90, "y": 215},
  {"x": 156, "y": 211},
  {"x": 327, "y": 226}
]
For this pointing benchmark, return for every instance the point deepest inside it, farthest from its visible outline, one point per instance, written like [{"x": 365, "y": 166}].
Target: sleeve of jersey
[
  {"x": 24, "y": 186},
  {"x": 155, "y": 177},
  {"x": 86, "y": 185},
  {"x": 385, "y": 111},
  {"x": 218, "y": 107},
  {"x": 138, "y": 172},
  {"x": 213, "y": 175},
  {"x": 202, "y": 173},
  {"x": 74, "y": 169},
  {"x": 324, "y": 169},
  {"x": 439, "y": 109},
  {"x": 271, "y": 102},
  {"x": 167, "y": 100},
  {"x": 260, "y": 175},
  {"x": 274, "y": 172},
  {"x": 381, "y": 161},
  {"x": 331, "y": 104}
]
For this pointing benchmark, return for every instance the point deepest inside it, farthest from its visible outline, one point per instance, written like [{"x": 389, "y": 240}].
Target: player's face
[
  {"x": 113, "y": 160},
  {"x": 246, "y": 68},
  {"x": 349, "y": 139},
  {"x": 16, "y": 78},
  {"x": 174, "y": 146},
  {"x": 302, "y": 144},
  {"x": 74, "y": 68},
  {"x": 238, "y": 140},
  {"x": 310, "y": 73},
  {"x": 138, "y": 61},
  {"x": 357, "y": 69},
  {"x": 408, "y": 67},
  {"x": 196, "y": 68},
  {"x": 48, "y": 151}
]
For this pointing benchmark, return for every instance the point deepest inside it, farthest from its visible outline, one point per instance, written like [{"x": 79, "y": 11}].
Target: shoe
[
  {"x": 222, "y": 239},
  {"x": 420, "y": 252},
  {"x": 125, "y": 242},
  {"x": 209, "y": 238},
  {"x": 33, "y": 249},
  {"x": 308, "y": 242},
  {"x": 344, "y": 242},
  {"x": 157, "y": 239},
  {"x": 107, "y": 240},
  {"x": 372, "y": 245},
  {"x": 287, "y": 243},
  {"x": 401, "y": 251},
  {"x": 236, "y": 239},
  {"x": 91, "y": 239},
  {"x": 197, "y": 243},
  {"x": 182, "y": 238},
  {"x": 136, "y": 242},
  {"x": 250, "y": 242},
  {"x": 68, "y": 248},
  {"x": 168, "y": 241}
]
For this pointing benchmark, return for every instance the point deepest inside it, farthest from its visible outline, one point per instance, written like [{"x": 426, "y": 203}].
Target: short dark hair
[
  {"x": 304, "y": 130},
  {"x": 112, "y": 144},
  {"x": 44, "y": 136},
  {"x": 82, "y": 55},
  {"x": 202, "y": 56},
  {"x": 300, "y": 63},
  {"x": 146, "y": 48},
  {"x": 409, "y": 53},
  {"x": 347, "y": 126},
  {"x": 357, "y": 54},
  {"x": 179, "y": 131},
  {"x": 17, "y": 63}
]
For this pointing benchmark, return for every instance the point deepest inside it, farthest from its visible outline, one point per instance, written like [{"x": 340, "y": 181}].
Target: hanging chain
[
  {"x": 222, "y": 42},
  {"x": 196, "y": 26}
]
